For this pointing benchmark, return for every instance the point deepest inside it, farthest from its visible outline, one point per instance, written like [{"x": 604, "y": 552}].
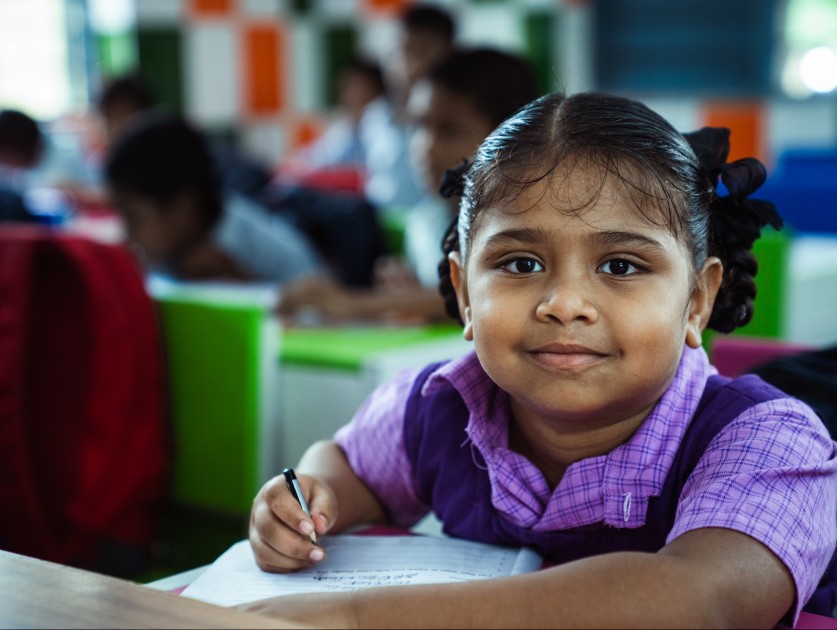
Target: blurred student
[
  {"x": 454, "y": 108},
  {"x": 426, "y": 36},
  {"x": 21, "y": 144},
  {"x": 28, "y": 154},
  {"x": 119, "y": 101},
  {"x": 359, "y": 83},
  {"x": 73, "y": 149},
  {"x": 319, "y": 188},
  {"x": 163, "y": 179},
  {"x": 21, "y": 149},
  {"x": 349, "y": 229},
  {"x": 125, "y": 98}
]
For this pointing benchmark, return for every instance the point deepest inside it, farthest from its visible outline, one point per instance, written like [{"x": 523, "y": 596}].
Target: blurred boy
[
  {"x": 21, "y": 149},
  {"x": 164, "y": 181},
  {"x": 359, "y": 83},
  {"x": 426, "y": 36}
]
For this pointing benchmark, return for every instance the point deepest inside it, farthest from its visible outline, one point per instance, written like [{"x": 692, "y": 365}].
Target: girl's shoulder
[
  {"x": 749, "y": 401},
  {"x": 749, "y": 395},
  {"x": 761, "y": 423}
]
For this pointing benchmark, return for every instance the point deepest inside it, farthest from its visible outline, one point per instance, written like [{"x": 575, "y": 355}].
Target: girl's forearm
[
  {"x": 749, "y": 588},
  {"x": 709, "y": 578},
  {"x": 407, "y": 303},
  {"x": 565, "y": 597}
]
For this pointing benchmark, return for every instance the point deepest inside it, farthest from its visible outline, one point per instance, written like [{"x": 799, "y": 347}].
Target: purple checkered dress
[{"x": 770, "y": 473}]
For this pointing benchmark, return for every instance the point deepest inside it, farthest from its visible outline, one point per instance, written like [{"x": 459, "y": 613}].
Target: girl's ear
[
  {"x": 460, "y": 287},
  {"x": 703, "y": 299}
]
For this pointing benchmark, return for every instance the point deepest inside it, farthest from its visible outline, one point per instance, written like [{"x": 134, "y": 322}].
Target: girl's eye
[
  {"x": 619, "y": 267},
  {"x": 523, "y": 265}
]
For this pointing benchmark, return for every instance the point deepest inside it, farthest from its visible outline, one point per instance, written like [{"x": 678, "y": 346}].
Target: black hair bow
[{"x": 741, "y": 178}]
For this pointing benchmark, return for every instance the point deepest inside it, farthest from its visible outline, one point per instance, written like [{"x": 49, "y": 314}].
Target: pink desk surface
[{"x": 807, "y": 621}]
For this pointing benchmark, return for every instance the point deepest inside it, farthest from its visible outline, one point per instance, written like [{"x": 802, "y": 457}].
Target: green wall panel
[
  {"x": 339, "y": 46},
  {"x": 117, "y": 53},
  {"x": 540, "y": 29},
  {"x": 161, "y": 64}
]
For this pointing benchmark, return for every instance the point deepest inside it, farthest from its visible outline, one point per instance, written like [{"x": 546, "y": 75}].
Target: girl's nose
[{"x": 566, "y": 301}]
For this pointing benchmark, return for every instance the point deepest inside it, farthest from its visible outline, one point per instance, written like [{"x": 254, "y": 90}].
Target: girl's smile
[{"x": 565, "y": 356}]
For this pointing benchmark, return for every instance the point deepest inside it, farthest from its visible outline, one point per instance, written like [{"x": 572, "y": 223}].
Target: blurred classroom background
[
  {"x": 235, "y": 395},
  {"x": 263, "y": 72}
]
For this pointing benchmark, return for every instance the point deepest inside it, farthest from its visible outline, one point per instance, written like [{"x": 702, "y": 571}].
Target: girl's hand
[
  {"x": 394, "y": 273},
  {"x": 280, "y": 530},
  {"x": 319, "y": 296}
]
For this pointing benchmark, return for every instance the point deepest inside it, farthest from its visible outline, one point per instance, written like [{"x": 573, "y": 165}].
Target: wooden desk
[{"x": 38, "y": 594}]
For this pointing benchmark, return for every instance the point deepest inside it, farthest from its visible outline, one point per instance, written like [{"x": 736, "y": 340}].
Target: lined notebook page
[{"x": 356, "y": 562}]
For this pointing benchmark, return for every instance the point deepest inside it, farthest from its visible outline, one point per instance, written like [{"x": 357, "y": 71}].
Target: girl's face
[
  {"x": 580, "y": 316},
  {"x": 448, "y": 128}
]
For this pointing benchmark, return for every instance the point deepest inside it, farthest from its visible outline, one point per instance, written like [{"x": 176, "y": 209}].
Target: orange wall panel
[
  {"x": 385, "y": 6},
  {"x": 746, "y": 121},
  {"x": 263, "y": 58},
  {"x": 210, "y": 8}
]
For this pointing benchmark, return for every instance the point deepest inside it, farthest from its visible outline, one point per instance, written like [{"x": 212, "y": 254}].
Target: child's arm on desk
[
  {"x": 337, "y": 499},
  {"x": 335, "y": 303},
  {"x": 705, "y": 578}
]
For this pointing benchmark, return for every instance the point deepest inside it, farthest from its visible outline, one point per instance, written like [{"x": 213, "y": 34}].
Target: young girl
[{"x": 594, "y": 245}]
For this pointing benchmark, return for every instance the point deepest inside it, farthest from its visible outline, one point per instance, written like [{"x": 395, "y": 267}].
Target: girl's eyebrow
[
  {"x": 618, "y": 237},
  {"x": 525, "y": 236},
  {"x": 528, "y": 236}
]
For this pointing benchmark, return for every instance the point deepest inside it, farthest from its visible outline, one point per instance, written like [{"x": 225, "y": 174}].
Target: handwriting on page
[
  {"x": 356, "y": 562},
  {"x": 358, "y": 580}
]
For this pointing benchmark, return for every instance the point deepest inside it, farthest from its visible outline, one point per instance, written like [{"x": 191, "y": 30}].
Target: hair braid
[
  {"x": 735, "y": 222},
  {"x": 734, "y": 302},
  {"x": 452, "y": 185},
  {"x": 450, "y": 243}
]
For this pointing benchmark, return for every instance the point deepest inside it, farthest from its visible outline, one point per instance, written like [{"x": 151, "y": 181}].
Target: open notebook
[{"x": 356, "y": 562}]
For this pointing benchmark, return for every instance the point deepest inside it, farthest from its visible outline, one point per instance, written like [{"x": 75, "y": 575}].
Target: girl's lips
[
  {"x": 566, "y": 348},
  {"x": 567, "y": 356}
]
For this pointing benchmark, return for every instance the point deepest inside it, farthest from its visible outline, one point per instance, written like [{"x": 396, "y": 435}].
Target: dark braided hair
[
  {"x": 452, "y": 186},
  {"x": 671, "y": 179},
  {"x": 735, "y": 222}
]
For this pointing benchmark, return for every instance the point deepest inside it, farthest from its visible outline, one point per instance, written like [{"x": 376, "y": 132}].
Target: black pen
[{"x": 296, "y": 490}]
